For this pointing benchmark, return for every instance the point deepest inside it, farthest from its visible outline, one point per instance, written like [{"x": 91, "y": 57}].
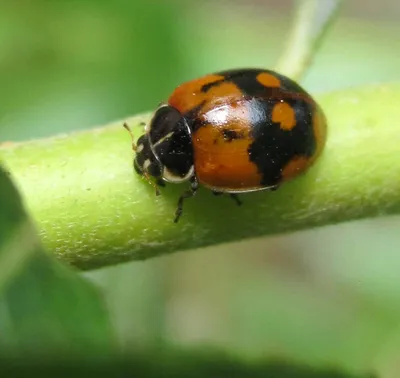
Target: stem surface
[{"x": 92, "y": 210}]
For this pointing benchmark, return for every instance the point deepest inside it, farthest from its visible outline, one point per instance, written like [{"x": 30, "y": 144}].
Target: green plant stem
[
  {"x": 312, "y": 21},
  {"x": 92, "y": 210}
]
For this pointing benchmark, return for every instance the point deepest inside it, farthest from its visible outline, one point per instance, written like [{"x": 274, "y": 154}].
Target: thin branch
[
  {"x": 93, "y": 210},
  {"x": 312, "y": 21}
]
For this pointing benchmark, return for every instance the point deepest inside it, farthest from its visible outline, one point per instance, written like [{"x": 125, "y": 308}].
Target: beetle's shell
[{"x": 251, "y": 129}]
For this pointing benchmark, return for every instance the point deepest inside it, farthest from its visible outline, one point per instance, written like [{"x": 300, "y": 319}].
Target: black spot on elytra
[
  {"x": 273, "y": 148},
  {"x": 246, "y": 81},
  {"x": 230, "y": 135},
  {"x": 192, "y": 119},
  {"x": 208, "y": 86}
]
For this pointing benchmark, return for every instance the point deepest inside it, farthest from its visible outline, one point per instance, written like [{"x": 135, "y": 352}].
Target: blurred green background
[{"x": 326, "y": 296}]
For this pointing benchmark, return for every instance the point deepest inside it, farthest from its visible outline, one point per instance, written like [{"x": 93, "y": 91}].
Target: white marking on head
[
  {"x": 170, "y": 177},
  {"x": 146, "y": 164},
  {"x": 164, "y": 138},
  {"x": 139, "y": 148}
]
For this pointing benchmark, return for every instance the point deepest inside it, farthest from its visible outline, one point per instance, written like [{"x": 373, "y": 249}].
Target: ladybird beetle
[{"x": 233, "y": 132}]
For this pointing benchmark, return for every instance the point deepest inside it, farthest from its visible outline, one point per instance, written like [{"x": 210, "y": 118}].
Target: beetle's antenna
[{"x": 126, "y": 126}]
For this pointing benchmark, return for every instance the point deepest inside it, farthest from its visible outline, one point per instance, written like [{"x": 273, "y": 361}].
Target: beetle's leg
[
  {"x": 189, "y": 193},
  {"x": 160, "y": 182},
  {"x": 234, "y": 196}
]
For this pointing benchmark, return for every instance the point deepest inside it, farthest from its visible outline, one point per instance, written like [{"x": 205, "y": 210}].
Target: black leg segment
[
  {"x": 189, "y": 193},
  {"x": 234, "y": 196}
]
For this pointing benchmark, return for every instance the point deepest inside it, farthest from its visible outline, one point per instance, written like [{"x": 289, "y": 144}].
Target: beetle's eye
[{"x": 154, "y": 169}]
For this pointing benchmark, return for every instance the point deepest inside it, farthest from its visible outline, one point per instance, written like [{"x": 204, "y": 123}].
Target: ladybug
[{"x": 234, "y": 131}]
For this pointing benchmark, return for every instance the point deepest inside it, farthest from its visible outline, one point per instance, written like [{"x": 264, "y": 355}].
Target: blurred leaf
[
  {"x": 91, "y": 61},
  {"x": 44, "y": 307}
]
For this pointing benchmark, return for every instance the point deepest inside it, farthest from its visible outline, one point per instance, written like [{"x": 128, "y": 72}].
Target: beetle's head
[
  {"x": 165, "y": 150},
  {"x": 145, "y": 160}
]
